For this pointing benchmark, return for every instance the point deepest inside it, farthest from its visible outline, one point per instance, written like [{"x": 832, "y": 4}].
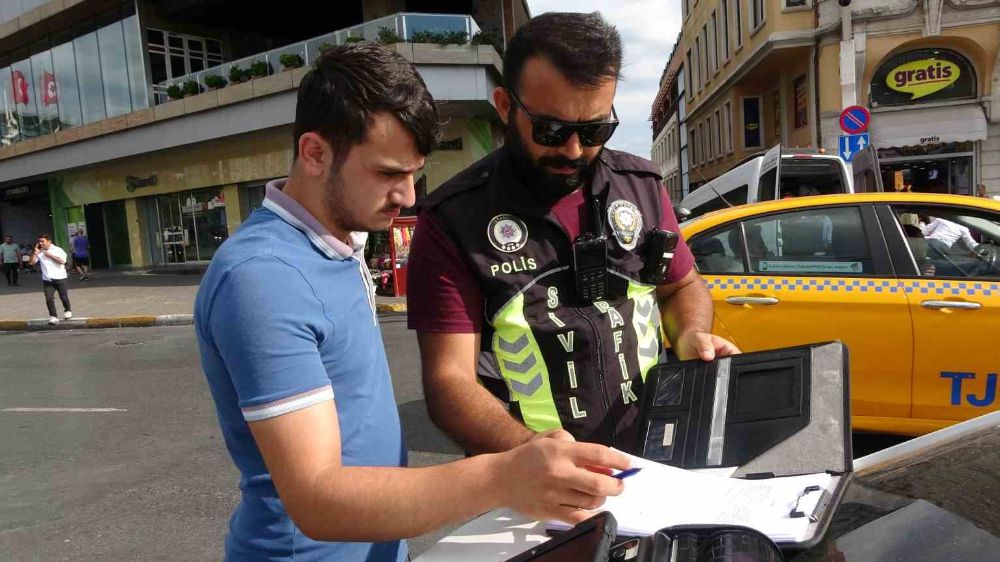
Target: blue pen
[{"x": 626, "y": 473}]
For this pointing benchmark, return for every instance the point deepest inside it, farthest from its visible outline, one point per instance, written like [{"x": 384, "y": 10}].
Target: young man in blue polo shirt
[{"x": 291, "y": 347}]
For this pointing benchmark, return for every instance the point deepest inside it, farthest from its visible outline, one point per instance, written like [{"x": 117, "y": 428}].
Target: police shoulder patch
[
  {"x": 507, "y": 233},
  {"x": 626, "y": 223}
]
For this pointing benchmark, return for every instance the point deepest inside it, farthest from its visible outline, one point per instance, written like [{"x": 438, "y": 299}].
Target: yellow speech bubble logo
[{"x": 922, "y": 77}]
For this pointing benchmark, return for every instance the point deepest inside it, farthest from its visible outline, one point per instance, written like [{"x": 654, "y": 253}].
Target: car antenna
[{"x": 709, "y": 184}]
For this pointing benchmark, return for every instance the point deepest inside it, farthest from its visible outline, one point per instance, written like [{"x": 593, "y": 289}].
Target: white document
[{"x": 663, "y": 496}]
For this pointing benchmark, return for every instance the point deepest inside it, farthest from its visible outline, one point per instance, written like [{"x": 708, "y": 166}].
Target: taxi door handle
[
  {"x": 752, "y": 300},
  {"x": 964, "y": 305}
]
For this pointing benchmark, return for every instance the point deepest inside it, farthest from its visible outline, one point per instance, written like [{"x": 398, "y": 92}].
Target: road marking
[{"x": 85, "y": 410}]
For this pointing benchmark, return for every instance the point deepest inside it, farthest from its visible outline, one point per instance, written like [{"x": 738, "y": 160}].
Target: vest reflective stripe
[
  {"x": 646, "y": 323},
  {"x": 523, "y": 367}
]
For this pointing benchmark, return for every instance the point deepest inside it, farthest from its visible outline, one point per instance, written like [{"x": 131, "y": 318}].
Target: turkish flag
[
  {"x": 20, "y": 87},
  {"x": 51, "y": 94}
]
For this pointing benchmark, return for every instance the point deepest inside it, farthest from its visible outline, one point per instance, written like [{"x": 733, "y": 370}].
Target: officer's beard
[{"x": 548, "y": 186}]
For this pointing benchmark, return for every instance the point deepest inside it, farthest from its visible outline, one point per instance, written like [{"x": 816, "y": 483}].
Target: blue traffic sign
[
  {"x": 855, "y": 120},
  {"x": 852, "y": 144}
]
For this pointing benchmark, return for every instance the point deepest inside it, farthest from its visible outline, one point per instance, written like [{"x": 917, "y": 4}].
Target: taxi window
[
  {"x": 824, "y": 241},
  {"x": 718, "y": 252},
  {"x": 951, "y": 241}
]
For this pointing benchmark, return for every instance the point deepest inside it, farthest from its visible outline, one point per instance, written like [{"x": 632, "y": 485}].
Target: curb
[
  {"x": 98, "y": 322},
  {"x": 42, "y": 324}
]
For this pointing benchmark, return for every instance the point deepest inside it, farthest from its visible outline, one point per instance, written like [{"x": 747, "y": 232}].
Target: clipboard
[{"x": 769, "y": 414}]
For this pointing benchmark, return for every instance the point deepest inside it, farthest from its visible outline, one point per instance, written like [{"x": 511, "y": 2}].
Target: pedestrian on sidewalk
[
  {"x": 52, "y": 260},
  {"x": 10, "y": 255},
  {"x": 81, "y": 254}
]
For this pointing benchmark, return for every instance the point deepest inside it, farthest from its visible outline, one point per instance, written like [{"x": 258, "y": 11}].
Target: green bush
[
  {"x": 388, "y": 36},
  {"x": 440, "y": 37},
  {"x": 259, "y": 69},
  {"x": 175, "y": 92},
  {"x": 237, "y": 74},
  {"x": 324, "y": 47},
  {"x": 215, "y": 81},
  {"x": 354, "y": 39},
  {"x": 191, "y": 88},
  {"x": 291, "y": 60},
  {"x": 489, "y": 37}
]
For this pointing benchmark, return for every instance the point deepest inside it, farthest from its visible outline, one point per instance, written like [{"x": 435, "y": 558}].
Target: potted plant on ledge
[
  {"x": 238, "y": 75},
  {"x": 174, "y": 92},
  {"x": 191, "y": 88},
  {"x": 291, "y": 60},
  {"x": 214, "y": 82},
  {"x": 260, "y": 69}
]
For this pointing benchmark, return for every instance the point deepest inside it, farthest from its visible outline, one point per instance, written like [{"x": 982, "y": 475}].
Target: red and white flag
[
  {"x": 51, "y": 94},
  {"x": 20, "y": 87}
]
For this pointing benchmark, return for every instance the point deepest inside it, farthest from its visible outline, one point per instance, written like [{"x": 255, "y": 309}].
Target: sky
[{"x": 648, "y": 29}]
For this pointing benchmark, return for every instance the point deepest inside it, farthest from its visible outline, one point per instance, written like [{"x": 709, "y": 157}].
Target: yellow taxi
[{"x": 909, "y": 281}]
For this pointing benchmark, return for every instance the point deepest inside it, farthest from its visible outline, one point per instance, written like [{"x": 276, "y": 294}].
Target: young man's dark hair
[
  {"x": 45, "y": 236},
  {"x": 354, "y": 81},
  {"x": 583, "y": 47}
]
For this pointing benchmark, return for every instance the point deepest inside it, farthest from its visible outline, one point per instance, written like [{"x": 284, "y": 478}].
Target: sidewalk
[{"x": 118, "y": 299}]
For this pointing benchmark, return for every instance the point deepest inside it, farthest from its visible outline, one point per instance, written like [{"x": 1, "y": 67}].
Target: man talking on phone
[{"x": 52, "y": 260}]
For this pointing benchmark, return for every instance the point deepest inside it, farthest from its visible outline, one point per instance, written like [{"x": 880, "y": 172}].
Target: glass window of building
[
  {"x": 136, "y": 68},
  {"x": 757, "y": 8},
  {"x": 88, "y": 71},
  {"x": 173, "y": 55},
  {"x": 190, "y": 225},
  {"x": 22, "y": 90},
  {"x": 114, "y": 69},
  {"x": 66, "y": 88},
  {"x": 45, "y": 91},
  {"x": 9, "y": 129}
]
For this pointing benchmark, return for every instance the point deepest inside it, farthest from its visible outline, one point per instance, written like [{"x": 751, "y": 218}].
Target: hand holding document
[{"x": 663, "y": 496}]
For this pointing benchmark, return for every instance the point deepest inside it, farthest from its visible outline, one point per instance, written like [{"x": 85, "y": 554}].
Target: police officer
[{"x": 548, "y": 266}]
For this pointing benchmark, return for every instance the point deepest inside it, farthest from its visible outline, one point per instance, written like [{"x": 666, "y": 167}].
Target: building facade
[
  {"x": 667, "y": 117},
  {"x": 766, "y": 72},
  {"x": 154, "y": 126},
  {"x": 926, "y": 71}
]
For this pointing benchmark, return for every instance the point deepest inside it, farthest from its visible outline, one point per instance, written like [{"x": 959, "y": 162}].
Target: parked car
[{"x": 919, "y": 313}]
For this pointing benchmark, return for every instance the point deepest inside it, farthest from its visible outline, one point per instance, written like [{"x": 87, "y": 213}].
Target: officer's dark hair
[
  {"x": 351, "y": 83},
  {"x": 585, "y": 48}
]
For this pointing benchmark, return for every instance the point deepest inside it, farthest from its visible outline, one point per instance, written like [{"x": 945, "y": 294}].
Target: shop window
[
  {"x": 724, "y": 30},
  {"x": 727, "y": 125},
  {"x": 738, "y": 22},
  {"x": 713, "y": 38},
  {"x": 923, "y": 75},
  {"x": 752, "y": 137},
  {"x": 757, "y": 14},
  {"x": 800, "y": 97}
]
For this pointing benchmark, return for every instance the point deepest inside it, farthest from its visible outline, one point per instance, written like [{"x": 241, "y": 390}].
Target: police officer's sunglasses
[{"x": 549, "y": 132}]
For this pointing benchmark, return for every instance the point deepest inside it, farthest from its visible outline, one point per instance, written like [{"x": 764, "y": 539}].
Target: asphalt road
[
  {"x": 148, "y": 479},
  {"x": 146, "y": 476}
]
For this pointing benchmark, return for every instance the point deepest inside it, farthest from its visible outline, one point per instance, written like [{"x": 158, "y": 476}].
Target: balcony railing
[{"x": 404, "y": 25}]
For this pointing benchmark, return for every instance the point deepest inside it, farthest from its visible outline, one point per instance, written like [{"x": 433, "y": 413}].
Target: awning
[{"x": 932, "y": 125}]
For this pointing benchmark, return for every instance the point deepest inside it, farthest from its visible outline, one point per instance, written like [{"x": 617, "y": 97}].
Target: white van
[{"x": 775, "y": 175}]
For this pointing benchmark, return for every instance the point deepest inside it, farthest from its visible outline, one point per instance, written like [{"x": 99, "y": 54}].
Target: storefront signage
[
  {"x": 930, "y": 140},
  {"x": 22, "y": 191},
  {"x": 923, "y": 75},
  {"x": 132, "y": 182}
]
